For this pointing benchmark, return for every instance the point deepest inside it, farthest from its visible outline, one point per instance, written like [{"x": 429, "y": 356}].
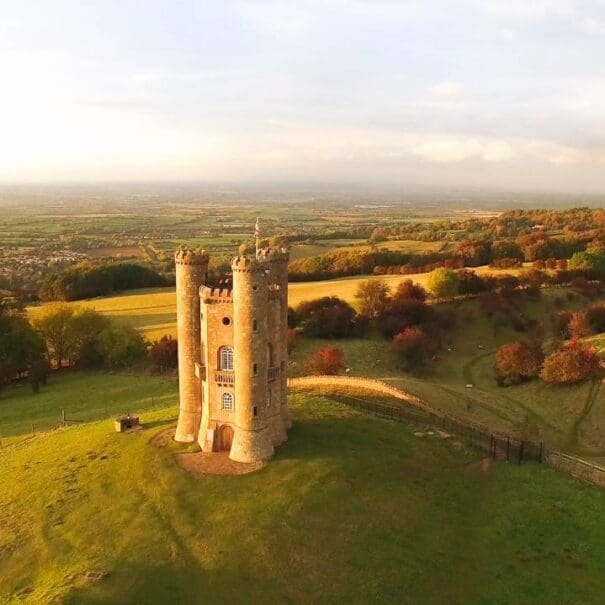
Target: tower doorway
[{"x": 225, "y": 437}]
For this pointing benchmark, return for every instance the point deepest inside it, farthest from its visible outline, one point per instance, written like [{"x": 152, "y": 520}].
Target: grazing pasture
[{"x": 352, "y": 509}]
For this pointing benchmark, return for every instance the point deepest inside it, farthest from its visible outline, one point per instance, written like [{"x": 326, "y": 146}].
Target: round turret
[
  {"x": 191, "y": 271},
  {"x": 252, "y": 440}
]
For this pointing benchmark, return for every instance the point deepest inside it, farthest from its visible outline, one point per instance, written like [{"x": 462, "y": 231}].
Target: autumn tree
[
  {"x": 570, "y": 364},
  {"x": 412, "y": 348},
  {"x": 579, "y": 325},
  {"x": 373, "y": 297},
  {"x": 326, "y": 361},
  {"x": 518, "y": 361},
  {"x": 409, "y": 290}
]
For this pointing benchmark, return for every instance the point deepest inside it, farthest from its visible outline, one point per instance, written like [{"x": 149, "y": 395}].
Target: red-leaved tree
[
  {"x": 326, "y": 361},
  {"x": 518, "y": 361},
  {"x": 571, "y": 363}
]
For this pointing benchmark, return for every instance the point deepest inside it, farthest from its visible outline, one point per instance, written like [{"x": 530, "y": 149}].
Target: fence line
[{"x": 499, "y": 444}]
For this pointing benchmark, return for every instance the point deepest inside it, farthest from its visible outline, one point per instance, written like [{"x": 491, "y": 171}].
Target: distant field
[
  {"x": 127, "y": 252},
  {"x": 352, "y": 509},
  {"x": 153, "y": 311}
]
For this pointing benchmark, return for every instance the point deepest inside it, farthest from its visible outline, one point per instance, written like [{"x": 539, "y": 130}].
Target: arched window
[
  {"x": 227, "y": 401},
  {"x": 269, "y": 354},
  {"x": 225, "y": 359}
]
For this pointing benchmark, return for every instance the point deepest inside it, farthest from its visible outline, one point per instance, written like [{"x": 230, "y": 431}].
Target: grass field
[
  {"x": 84, "y": 396},
  {"x": 353, "y": 509}
]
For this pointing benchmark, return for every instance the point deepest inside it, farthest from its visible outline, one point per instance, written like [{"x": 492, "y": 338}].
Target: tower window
[
  {"x": 227, "y": 401},
  {"x": 254, "y": 325},
  {"x": 269, "y": 398},
  {"x": 255, "y": 411},
  {"x": 255, "y": 369},
  {"x": 226, "y": 358},
  {"x": 226, "y": 321}
]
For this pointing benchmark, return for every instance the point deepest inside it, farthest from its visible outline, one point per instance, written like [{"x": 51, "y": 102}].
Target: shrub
[
  {"x": 403, "y": 314},
  {"x": 163, "y": 354},
  {"x": 412, "y": 348},
  {"x": 570, "y": 364},
  {"x": 324, "y": 362},
  {"x": 443, "y": 283},
  {"x": 517, "y": 362}
]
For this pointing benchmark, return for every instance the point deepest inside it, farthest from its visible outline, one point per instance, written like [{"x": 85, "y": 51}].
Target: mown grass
[{"x": 353, "y": 509}]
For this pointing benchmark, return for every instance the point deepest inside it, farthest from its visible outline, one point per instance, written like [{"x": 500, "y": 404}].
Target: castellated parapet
[{"x": 239, "y": 367}]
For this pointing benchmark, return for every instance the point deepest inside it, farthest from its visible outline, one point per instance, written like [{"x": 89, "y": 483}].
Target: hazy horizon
[{"x": 501, "y": 95}]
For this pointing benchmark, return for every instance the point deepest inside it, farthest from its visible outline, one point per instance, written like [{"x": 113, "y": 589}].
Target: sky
[{"x": 477, "y": 93}]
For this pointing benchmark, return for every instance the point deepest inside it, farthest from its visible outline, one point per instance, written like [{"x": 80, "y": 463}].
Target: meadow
[{"x": 352, "y": 509}]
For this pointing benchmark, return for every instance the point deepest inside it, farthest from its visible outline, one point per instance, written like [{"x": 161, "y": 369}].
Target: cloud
[
  {"x": 448, "y": 89},
  {"x": 593, "y": 27},
  {"x": 529, "y": 11},
  {"x": 457, "y": 149}
]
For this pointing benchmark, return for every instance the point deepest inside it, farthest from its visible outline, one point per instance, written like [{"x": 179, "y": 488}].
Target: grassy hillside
[
  {"x": 352, "y": 509},
  {"x": 571, "y": 418},
  {"x": 84, "y": 396}
]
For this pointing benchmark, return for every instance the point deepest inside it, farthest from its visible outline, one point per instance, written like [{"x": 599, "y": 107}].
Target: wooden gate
[{"x": 225, "y": 437}]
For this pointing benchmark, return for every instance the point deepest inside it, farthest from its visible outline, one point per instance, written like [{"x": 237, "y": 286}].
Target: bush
[
  {"x": 570, "y": 364},
  {"x": 163, "y": 354},
  {"x": 324, "y": 362},
  {"x": 403, "y": 314},
  {"x": 443, "y": 283},
  {"x": 412, "y": 348},
  {"x": 579, "y": 325},
  {"x": 517, "y": 362}
]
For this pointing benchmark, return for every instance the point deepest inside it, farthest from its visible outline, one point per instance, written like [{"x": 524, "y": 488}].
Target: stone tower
[
  {"x": 233, "y": 355},
  {"x": 252, "y": 439},
  {"x": 191, "y": 271}
]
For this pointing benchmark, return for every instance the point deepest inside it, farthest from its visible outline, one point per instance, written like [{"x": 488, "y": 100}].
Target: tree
[
  {"x": 21, "y": 348},
  {"x": 570, "y": 364},
  {"x": 443, "y": 283},
  {"x": 327, "y": 361},
  {"x": 412, "y": 348},
  {"x": 327, "y": 317},
  {"x": 579, "y": 325},
  {"x": 55, "y": 326},
  {"x": 291, "y": 338},
  {"x": 163, "y": 353},
  {"x": 518, "y": 361},
  {"x": 409, "y": 290},
  {"x": 122, "y": 346},
  {"x": 373, "y": 297}
]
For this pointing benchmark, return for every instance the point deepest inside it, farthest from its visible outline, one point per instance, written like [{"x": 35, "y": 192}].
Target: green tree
[
  {"x": 121, "y": 346},
  {"x": 443, "y": 283},
  {"x": 373, "y": 297}
]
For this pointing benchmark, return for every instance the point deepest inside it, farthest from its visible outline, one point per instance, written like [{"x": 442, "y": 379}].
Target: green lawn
[
  {"x": 353, "y": 509},
  {"x": 84, "y": 396}
]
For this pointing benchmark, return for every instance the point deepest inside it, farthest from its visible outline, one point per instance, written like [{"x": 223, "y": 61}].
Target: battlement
[
  {"x": 272, "y": 255},
  {"x": 246, "y": 264},
  {"x": 187, "y": 256},
  {"x": 216, "y": 295}
]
